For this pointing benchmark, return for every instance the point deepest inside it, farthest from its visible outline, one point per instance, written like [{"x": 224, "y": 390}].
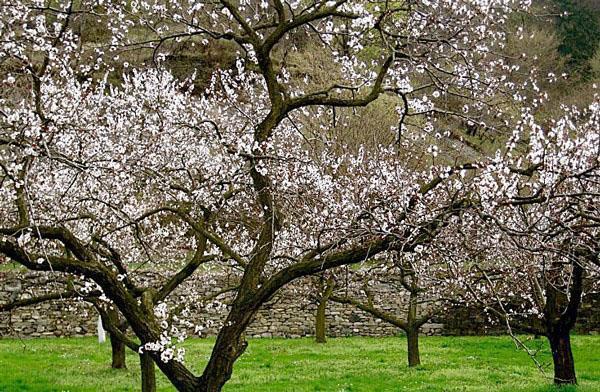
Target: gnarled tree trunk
[{"x": 229, "y": 346}]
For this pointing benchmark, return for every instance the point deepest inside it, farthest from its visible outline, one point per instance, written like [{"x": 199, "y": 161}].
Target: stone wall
[
  {"x": 52, "y": 318},
  {"x": 289, "y": 314}
]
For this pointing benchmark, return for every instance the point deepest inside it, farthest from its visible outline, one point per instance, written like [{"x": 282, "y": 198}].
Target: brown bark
[
  {"x": 148, "y": 373},
  {"x": 320, "y": 319},
  {"x": 412, "y": 337},
  {"x": 114, "y": 324},
  {"x": 562, "y": 356},
  {"x": 320, "y": 335},
  {"x": 560, "y": 314},
  {"x": 412, "y": 330},
  {"x": 118, "y": 352},
  {"x": 230, "y": 345}
]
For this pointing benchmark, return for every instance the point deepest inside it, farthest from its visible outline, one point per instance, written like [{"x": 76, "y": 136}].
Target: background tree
[
  {"x": 326, "y": 287},
  {"x": 579, "y": 28},
  {"x": 542, "y": 227},
  {"x": 422, "y": 281}
]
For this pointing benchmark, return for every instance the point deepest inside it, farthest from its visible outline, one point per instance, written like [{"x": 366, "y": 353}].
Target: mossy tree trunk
[
  {"x": 148, "y": 373},
  {"x": 114, "y": 324},
  {"x": 118, "y": 352}
]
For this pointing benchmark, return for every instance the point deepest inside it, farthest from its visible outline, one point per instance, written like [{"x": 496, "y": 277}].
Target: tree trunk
[
  {"x": 412, "y": 330},
  {"x": 320, "y": 322},
  {"x": 229, "y": 346},
  {"x": 320, "y": 319},
  {"x": 148, "y": 373},
  {"x": 562, "y": 356},
  {"x": 110, "y": 319},
  {"x": 118, "y": 353},
  {"x": 412, "y": 337},
  {"x": 560, "y": 314}
]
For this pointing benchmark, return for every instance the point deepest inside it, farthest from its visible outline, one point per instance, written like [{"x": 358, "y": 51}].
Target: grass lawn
[{"x": 343, "y": 364}]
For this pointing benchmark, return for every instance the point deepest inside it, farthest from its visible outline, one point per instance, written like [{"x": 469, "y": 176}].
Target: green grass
[
  {"x": 11, "y": 267},
  {"x": 344, "y": 364}
]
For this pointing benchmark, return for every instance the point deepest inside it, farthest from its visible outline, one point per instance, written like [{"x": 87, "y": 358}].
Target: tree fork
[{"x": 230, "y": 345}]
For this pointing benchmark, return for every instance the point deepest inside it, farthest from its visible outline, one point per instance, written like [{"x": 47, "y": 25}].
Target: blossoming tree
[
  {"x": 100, "y": 175},
  {"x": 541, "y": 228},
  {"x": 420, "y": 281}
]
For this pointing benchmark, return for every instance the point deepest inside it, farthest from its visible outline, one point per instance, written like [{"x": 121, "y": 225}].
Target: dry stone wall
[{"x": 289, "y": 314}]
